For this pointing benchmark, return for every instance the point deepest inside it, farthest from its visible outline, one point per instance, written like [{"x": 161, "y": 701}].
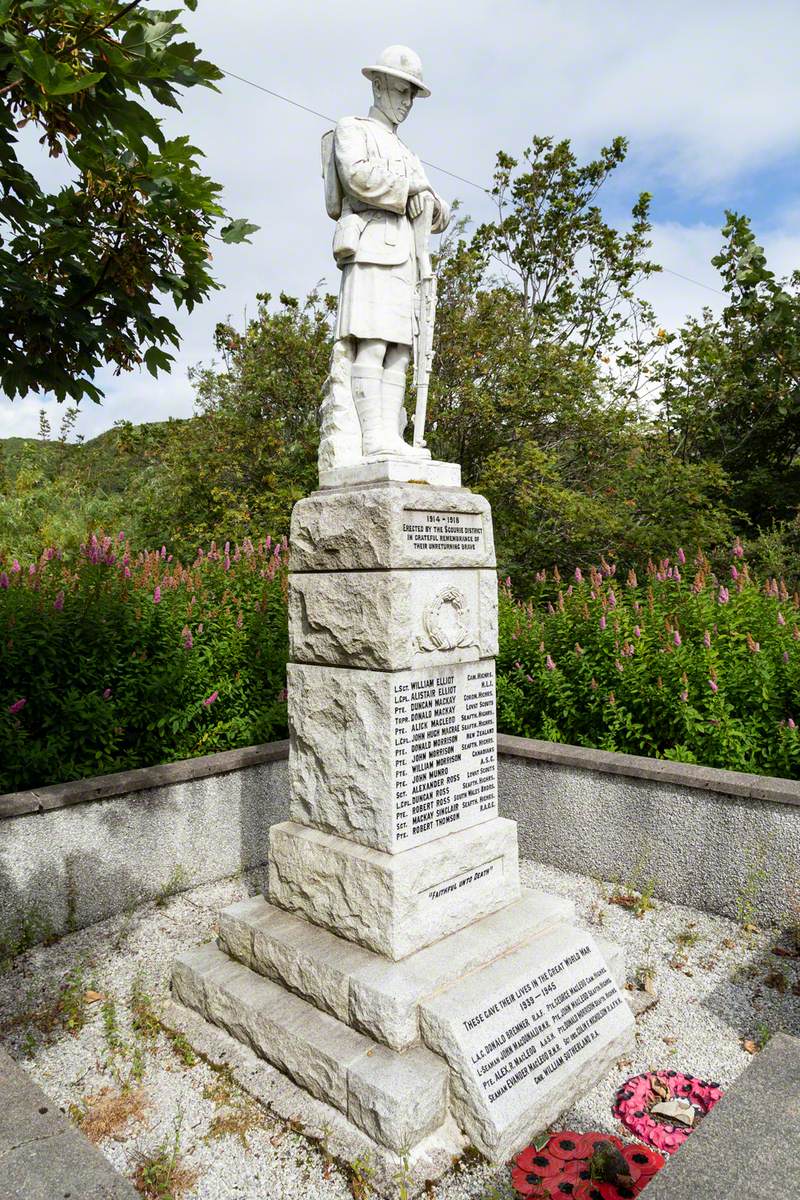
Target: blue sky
[{"x": 707, "y": 93}]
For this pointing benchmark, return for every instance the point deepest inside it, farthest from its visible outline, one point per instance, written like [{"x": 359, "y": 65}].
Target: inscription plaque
[
  {"x": 522, "y": 1041},
  {"x": 435, "y": 532},
  {"x": 445, "y": 750}
]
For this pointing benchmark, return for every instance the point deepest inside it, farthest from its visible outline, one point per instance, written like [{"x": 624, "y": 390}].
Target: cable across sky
[{"x": 435, "y": 166}]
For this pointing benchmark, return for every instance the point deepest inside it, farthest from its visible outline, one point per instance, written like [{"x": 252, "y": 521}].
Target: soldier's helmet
[{"x": 402, "y": 63}]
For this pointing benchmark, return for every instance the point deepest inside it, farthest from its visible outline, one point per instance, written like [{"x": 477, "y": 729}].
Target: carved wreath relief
[{"x": 446, "y": 622}]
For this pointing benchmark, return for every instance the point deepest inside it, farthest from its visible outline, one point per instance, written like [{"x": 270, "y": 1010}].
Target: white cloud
[{"x": 707, "y": 93}]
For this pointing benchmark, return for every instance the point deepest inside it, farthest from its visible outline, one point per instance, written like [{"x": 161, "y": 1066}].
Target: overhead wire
[{"x": 435, "y": 166}]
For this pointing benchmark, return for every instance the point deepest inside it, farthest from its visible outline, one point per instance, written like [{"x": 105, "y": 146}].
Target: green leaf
[
  {"x": 77, "y": 84},
  {"x": 238, "y": 231}
]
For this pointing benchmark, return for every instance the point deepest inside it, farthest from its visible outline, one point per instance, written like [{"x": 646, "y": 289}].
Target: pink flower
[
  {"x": 723, "y": 596},
  {"x": 681, "y": 556},
  {"x": 517, "y": 665},
  {"x": 619, "y": 665},
  {"x": 790, "y": 724},
  {"x": 239, "y": 621},
  {"x": 15, "y": 567},
  {"x": 157, "y": 595},
  {"x": 120, "y": 536},
  {"x": 738, "y": 550},
  {"x": 786, "y": 656},
  {"x": 676, "y": 575},
  {"x": 712, "y": 683},
  {"x": 781, "y": 619},
  {"x": 209, "y": 700},
  {"x": 684, "y": 696},
  {"x": 107, "y": 693},
  {"x": 58, "y": 603},
  {"x": 127, "y": 572},
  {"x": 734, "y": 572},
  {"x": 603, "y": 622},
  {"x": 676, "y": 638},
  {"x": 548, "y": 662},
  {"x": 17, "y": 706},
  {"x": 612, "y": 599},
  {"x": 707, "y": 640},
  {"x": 163, "y": 551},
  {"x": 186, "y": 634},
  {"x": 3, "y": 580},
  {"x": 578, "y": 575},
  {"x": 32, "y": 569},
  {"x": 637, "y": 631},
  {"x": 282, "y": 696}
]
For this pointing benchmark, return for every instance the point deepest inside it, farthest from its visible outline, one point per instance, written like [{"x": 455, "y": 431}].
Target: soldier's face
[{"x": 394, "y": 97}]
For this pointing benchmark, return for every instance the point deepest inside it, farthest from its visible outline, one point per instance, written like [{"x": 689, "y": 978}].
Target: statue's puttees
[{"x": 385, "y": 210}]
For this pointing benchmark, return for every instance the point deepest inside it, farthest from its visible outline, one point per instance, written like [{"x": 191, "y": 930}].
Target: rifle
[{"x": 426, "y": 314}]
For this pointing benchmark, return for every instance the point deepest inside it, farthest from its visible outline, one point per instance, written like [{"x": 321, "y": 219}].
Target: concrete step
[
  {"x": 365, "y": 990},
  {"x": 397, "y": 1099}
]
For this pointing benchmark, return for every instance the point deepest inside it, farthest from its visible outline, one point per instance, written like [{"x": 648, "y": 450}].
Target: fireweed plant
[
  {"x": 681, "y": 664},
  {"x": 120, "y": 659}
]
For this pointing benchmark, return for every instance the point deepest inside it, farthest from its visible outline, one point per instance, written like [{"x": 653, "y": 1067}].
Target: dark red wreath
[
  {"x": 584, "y": 1166},
  {"x": 640, "y": 1095}
]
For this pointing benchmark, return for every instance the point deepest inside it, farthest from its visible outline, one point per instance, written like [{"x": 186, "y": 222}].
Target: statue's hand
[{"x": 415, "y": 205}]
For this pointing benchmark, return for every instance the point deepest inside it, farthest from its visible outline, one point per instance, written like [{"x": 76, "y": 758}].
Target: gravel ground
[{"x": 82, "y": 1016}]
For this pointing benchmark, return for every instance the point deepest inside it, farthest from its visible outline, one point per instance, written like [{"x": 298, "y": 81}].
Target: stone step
[
  {"x": 361, "y": 988},
  {"x": 396, "y": 1099}
]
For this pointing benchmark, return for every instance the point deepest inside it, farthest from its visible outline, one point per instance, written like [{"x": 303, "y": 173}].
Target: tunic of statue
[{"x": 379, "y": 189}]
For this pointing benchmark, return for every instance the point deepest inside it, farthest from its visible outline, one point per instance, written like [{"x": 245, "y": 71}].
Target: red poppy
[
  {"x": 567, "y": 1146},
  {"x": 526, "y": 1183},
  {"x": 643, "y": 1159}
]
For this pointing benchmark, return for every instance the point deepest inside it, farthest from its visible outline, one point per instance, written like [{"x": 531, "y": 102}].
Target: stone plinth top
[
  {"x": 390, "y": 525},
  {"x": 397, "y": 469}
]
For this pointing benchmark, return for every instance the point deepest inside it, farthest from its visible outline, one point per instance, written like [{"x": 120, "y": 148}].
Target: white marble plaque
[
  {"x": 527, "y": 1034},
  {"x": 444, "y": 532},
  {"x": 445, "y": 750}
]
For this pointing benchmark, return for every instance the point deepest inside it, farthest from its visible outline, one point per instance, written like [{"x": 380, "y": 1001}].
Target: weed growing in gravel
[
  {"x": 687, "y": 937},
  {"x": 756, "y": 875},
  {"x": 403, "y": 1177},
  {"x": 72, "y": 1003},
  {"x": 31, "y": 930},
  {"x": 634, "y": 892},
  {"x": 361, "y": 1173},
  {"x": 161, "y": 1175},
  {"x": 178, "y": 881},
  {"x": 108, "y": 1112}
]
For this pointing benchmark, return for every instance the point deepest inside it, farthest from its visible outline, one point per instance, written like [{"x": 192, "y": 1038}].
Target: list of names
[
  {"x": 523, "y": 1039},
  {"x": 445, "y": 750}
]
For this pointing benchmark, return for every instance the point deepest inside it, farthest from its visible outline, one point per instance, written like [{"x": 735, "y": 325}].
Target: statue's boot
[
  {"x": 367, "y": 387},
  {"x": 394, "y": 414}
]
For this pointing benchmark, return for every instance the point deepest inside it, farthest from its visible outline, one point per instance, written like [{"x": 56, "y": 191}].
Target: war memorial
[{"x": 397, "y": 971}]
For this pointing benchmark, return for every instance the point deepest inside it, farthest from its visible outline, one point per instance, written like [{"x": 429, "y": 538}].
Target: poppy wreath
[
  {"x": 584, "y": 1166},
  {"x": 638, "y": 1094}
]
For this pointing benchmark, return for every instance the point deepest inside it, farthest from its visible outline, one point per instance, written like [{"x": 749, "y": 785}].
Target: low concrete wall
[
  {"x": 707, "y": 838},
  {"x": 76, "y": 853}
]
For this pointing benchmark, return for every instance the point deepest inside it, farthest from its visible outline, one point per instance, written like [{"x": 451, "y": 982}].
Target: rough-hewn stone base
[{"x": 394, "y": 903}]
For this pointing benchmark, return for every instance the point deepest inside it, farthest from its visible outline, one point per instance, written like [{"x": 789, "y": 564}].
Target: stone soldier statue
[{"x": 376, "y": 188}]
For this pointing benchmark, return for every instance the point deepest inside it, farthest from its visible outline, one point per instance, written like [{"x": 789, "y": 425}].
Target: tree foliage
[
  {"x": 83, "y": 269},
  {"x": 731, "y": 384}
]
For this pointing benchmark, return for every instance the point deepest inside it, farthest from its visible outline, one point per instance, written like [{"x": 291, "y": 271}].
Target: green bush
[
  {"x": 114, "y": 661},
  {"x": 682, "y": 665}
]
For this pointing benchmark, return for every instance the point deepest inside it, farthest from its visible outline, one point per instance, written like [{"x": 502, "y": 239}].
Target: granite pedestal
[{"x": 397, "y": 971}]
